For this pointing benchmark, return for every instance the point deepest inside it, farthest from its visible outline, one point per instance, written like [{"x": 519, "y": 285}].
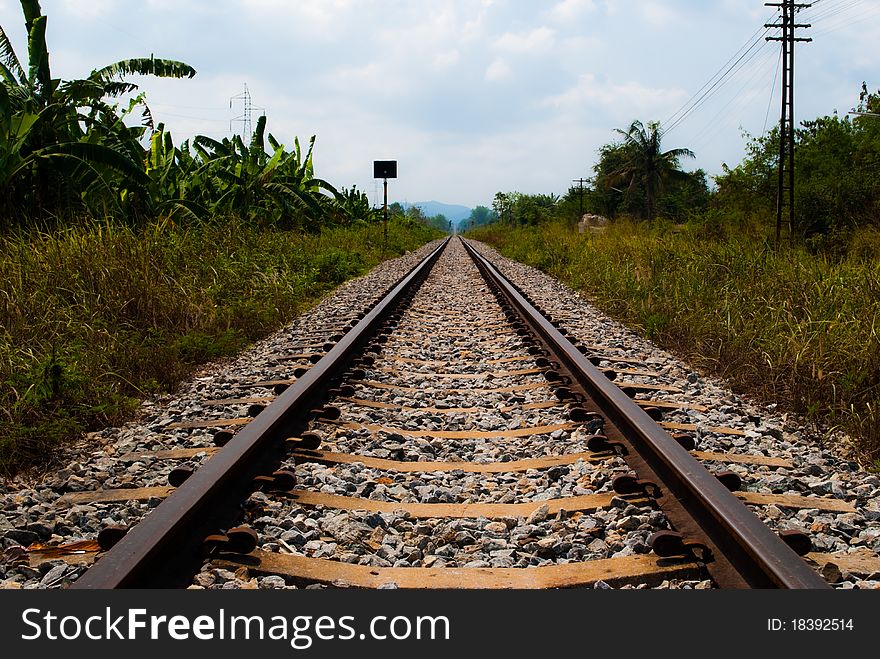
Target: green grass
[
  {"x": 783, "y": 325},
  {"x": 95, "y": 318}
]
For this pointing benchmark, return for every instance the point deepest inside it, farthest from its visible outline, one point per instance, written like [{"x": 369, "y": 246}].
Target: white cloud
[
  {"x": 90, "y": 9},
  {"x": 499, "y": 69},
  {"x": 627, "y": 99},
  {"x": 444, "y": 60},
  {"x": 537, "y": 40},
  {"x": 372, "y": 78},
  {"x": 326, "y": 21},
  {"x": 568, "y": 10},
  {"x": 658, "y": 14}
]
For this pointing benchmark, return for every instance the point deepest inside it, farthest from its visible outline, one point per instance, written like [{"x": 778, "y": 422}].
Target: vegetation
[
  {"x": 644, "y": 165},
  {"x": 837, "y": 179},
  {"x": 94, "y": 317},
  {"x": 126, "y": 260},
  {"x": 480, "y": 216},
  {"x": 633, "y": 178},
  {"x": 437, "y": 222},
  {"x": 66, "y": 152},
  {"x": 699, "y": 271},
  {"x": 780, "y": 324}
]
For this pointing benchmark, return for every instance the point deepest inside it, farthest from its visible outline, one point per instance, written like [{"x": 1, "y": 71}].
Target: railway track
[{"x": 450, "y": 435}]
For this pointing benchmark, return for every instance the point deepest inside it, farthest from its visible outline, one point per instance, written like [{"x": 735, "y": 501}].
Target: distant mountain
[{"x": 452, "y": 212}]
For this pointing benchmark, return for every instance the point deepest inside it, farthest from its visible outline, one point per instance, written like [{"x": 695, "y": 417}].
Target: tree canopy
[{"x": 643, "y": 165}]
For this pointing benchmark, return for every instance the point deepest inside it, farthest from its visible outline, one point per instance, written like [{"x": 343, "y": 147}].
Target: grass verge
[
  {"x": 95, "y": 318},
  {"x": 783, "y": 325}
]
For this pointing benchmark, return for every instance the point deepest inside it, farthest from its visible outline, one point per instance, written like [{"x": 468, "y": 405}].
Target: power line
[
  {"x": 734, "y": 73},
  {"x": 772, "y": 93},
  {"x": 750, "y": 59},
  {"x": 847, "y": 21},
  {"x": 738, "y": 100},
  {"x": 830, "y": 9},
  {"x": 732, "y": 66},
  {"x": 739, "y": 60},
  {"x": 189, "y": 116}
]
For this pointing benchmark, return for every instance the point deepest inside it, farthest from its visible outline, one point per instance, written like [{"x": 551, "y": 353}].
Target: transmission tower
[
  {"x": 247, "y": 112},
  {"x": 785, "y": 187}
]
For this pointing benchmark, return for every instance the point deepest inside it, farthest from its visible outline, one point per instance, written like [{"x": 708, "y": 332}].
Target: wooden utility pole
[
  {"x": 580, "y": 182},
  {"x": 785, "y": 186}
]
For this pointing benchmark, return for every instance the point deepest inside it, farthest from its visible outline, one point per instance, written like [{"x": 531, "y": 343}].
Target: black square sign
[{"x": 384, "y": 169}]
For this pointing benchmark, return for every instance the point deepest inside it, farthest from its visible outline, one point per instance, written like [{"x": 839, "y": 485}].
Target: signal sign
[{"x": 384, "y": 169}]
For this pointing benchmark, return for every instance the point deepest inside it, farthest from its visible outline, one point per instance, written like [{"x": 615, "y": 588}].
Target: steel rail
[
  {"x": 751, "y": 555},
  {"x": 165, "y": 548}
]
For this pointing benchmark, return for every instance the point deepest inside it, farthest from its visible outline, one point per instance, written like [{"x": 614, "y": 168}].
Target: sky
[{"x": 471, "y": 97}]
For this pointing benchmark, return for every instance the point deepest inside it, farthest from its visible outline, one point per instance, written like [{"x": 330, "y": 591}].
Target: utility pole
[
  {"x": 785, "y": 186},
  {"x": 580, "y": 182}
]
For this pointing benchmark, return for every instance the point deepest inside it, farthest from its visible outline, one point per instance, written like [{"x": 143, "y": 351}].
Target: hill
[{"x": 452, "y": 212}]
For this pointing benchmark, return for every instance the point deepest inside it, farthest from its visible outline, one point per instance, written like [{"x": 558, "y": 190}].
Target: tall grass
[
  {"x": 782, "y": 324},
  {"x": 93, "y": 318}
]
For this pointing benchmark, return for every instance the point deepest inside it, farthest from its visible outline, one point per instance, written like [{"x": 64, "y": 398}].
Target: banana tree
[
  {"x": 353, "y": 206},
  {"x": 278, "y": 188},
  {"x": 74, "y": 137},
  {"x": 172, "y": 178}
]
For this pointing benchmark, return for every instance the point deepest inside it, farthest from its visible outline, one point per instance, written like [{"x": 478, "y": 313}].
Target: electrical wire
[
  {"x": 752, "y": 61},
  {"x": 739, "y": 100},
  {"x": 848, "y": 21},
  {"x": 744, "y": 60},
  {"x": 772, "y": 93},
  {"x": 716, "y": 80}
]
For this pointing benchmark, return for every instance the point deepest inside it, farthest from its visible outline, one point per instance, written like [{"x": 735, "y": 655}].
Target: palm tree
[{"x": 647, "y": 165}]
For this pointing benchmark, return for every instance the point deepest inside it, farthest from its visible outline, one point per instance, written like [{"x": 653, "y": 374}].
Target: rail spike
[
  {"x": 667, "y": 544},
  {"x": 238, "y": 540}
]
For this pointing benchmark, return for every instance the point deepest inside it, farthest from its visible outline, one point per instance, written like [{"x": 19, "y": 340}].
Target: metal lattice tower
[
  {"x": 246, "y": 117},
  {"x": 785, "y": 188}
]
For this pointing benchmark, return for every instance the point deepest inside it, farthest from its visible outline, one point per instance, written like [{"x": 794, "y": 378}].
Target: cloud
[
  {"x": 625, "y": 100},
  {"x": 90, "y": 9},
  {"x": 537, "y": 40},
  {"x": 499, "y": 69},
  {"x": 568, "y": 10},
  {"x": 659, "y": 14},
  {"x": 327, "y": 21},
  {"x": 367, "y": 78},
  {"x": 444, "y": 60}
]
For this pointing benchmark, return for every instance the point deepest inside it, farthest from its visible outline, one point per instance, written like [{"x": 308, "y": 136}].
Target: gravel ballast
[{"x": 478, "y": 354}]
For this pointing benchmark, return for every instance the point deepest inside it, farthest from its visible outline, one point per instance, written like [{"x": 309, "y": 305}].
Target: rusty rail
[
  {"x": 739, "y": 550},
  {"x": 166, "y": 548}
]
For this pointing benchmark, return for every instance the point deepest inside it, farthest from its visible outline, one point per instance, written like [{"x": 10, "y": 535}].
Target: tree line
[{"x": 837, "y": 182}]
